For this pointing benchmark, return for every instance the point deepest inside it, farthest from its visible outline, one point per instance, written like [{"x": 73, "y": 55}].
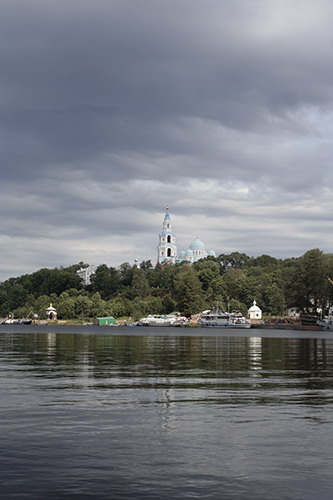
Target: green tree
[
  {"x": 162, "y": 279},
  {"x": 207, "y": 270},
  {"x": 234, "y": 260},
  {"x": 265, "y": 261},
  {"x": 328, "y": 289},
  {"x": 16, "y": 297},
  {"x": 307, "y": 281},
  {"x": 41, "y": 304},
  {"x": 146, "y": 264},
  {"x": 236, "y": 305},
  {"x": 140, "y": 285},
  {"x": 126, "y": 274},
  {"x": 119, "y": 307},
  {"x": 82, "y": 307},
  {"x": 188, "y": 291},
  {"x": 275, "y": 302},
  {"x": 217, "y": 292},
  {"x": 105, "y": 280},
  {"x": 98, "y": 306},
  {"x": 168, "y": 305},
  {"x": 66, "y": 306}
]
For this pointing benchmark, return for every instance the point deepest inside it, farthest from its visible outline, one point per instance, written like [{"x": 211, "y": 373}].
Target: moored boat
[
  {"x": 325, "y": 324},
  {"x": 12, "y": 321},
  {"x": 221, "y": 319},
  {"x": 167, "y": 320},
  {"x": 308, "y": 319}
]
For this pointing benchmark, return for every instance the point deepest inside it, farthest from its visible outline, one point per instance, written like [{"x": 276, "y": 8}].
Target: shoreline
[
  {"x": 147, "y": 331},
  {"x": 192, "y": 325}
]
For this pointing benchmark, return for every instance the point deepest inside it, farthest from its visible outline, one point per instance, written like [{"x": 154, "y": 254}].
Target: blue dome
[
  {"x": 211, "y": 252},
  {"x": 197, "y": 245},
  {"x": 188, "y": 252},
  {"x": 182, "y": 254}
]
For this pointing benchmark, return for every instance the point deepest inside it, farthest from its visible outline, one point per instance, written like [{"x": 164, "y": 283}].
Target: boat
[
  {"x": 326, "y": 323},
  {"x": 167, "y": 320},
  {"x": 308, "y": 319},
  {"x": 12, "y": 321},
  {"x": 221, "y": 319}
]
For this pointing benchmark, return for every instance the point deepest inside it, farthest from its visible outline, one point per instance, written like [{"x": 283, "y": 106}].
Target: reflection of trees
[{"x": 165, "y": 362}]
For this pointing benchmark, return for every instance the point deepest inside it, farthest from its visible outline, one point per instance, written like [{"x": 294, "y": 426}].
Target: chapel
[{"x": 255, "y": 312}]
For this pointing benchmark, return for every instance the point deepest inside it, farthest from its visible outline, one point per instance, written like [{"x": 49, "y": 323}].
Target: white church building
[
  {"x": 254, "y": 312},
  {"x": 167, "y": 249}
]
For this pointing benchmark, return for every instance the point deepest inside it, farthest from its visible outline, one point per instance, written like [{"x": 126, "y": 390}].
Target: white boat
[
  {"x": 221, "y": 319},
  {"x": 12, "y": 321},
  {"x": 325, "y": 323},
  {"x": 167, "y": 320}
]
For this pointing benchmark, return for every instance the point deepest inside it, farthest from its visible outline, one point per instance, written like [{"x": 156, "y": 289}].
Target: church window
[
  {"x": 169, "y": 252},
  {"x": 169, "y": 238}
]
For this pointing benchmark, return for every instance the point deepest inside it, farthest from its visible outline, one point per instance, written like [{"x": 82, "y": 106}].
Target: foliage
[
  {"x": 188, "y": 291},
  {"x": 231, "y": 281}
]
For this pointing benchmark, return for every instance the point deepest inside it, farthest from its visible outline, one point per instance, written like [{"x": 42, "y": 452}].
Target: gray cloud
[{"x": 109, "y": 110}]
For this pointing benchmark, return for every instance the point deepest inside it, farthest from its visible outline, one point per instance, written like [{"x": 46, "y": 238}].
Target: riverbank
[
  {"x": 148, "y": 331},
  {"x": 126, "y": 322}
]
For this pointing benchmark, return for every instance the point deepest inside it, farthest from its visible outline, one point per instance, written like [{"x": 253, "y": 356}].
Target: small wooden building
[{"x": 106, "y": 321}]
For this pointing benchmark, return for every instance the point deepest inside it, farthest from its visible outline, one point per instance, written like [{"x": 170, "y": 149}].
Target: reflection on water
[{"x": 147, "y": 417}]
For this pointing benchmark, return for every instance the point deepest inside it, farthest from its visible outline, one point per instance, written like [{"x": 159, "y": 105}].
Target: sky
[{"x": 112, "y": 109}]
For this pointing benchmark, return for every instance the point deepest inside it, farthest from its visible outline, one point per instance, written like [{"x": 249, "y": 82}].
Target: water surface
[{"x": 90, "y": 415}]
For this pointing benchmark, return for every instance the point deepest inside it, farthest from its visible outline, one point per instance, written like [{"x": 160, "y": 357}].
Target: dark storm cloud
[
  {"x": 109, "y": 110},
  {"x": 81, "y": 79}
]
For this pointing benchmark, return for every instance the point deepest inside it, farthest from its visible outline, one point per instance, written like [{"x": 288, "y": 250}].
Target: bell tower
[{"x": 166, "y": 250}]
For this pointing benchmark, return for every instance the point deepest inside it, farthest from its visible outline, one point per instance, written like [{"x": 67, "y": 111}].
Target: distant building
[
  {"x": 85, "y": 274},
  {"x": 106, "y": 321},
  {"x": 51, "y": 312},
  {"x": 196, "y": 252},
  {"x": 167, "y": 249},
  {"x": 254, "y": 312},
  {"x": 293, "y": 312}
]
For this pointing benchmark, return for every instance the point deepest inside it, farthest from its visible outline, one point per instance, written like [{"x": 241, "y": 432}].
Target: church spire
[
  {"x": 167, "y": 219},
  {"x": 166, "y": 250}
]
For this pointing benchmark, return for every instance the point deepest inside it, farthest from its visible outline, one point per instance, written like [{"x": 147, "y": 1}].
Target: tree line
[{"x": 230, "y": 281}]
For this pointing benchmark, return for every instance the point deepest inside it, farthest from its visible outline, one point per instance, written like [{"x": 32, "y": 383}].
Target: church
[{"x": 167, "y": 249}]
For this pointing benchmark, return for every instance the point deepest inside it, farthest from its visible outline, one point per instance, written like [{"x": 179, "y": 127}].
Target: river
[{"x": 138, "y": 413}]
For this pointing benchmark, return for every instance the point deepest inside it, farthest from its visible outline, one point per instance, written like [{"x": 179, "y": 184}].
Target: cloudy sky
[{"x": 112, "y": 109}]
